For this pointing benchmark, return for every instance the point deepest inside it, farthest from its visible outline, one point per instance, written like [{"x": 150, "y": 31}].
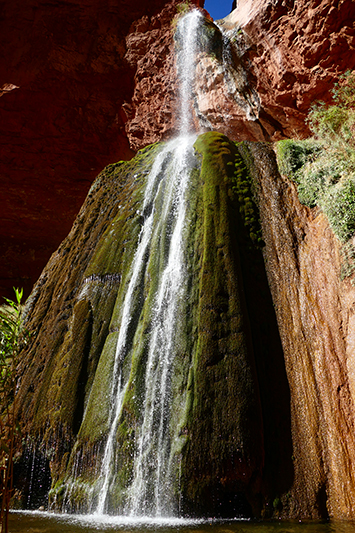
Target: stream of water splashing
[
  {"x": 150, "y": 491},
  {"x": 236, "y": 76},
  {"x": 185, "y": 60}
]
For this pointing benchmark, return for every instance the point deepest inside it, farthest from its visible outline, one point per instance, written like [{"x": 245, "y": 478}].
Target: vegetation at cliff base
[
  {"x": 12, "y": 338},
  {"x": 323, "y": 166}
]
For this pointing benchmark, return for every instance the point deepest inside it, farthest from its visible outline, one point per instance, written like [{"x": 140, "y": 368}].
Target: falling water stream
[
  {"x": 167, "y": 183},
  {"x": 149, "y": 501}
]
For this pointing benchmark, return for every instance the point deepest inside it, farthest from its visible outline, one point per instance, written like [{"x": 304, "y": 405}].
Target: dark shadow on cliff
[
  {"x": 271, "y": 374},
  {"x": 32, "y": 477}
]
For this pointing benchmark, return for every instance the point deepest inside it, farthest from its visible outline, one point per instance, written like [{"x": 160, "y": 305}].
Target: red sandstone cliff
[
  {"x": 87, "y": 83},
  {"x": 294, "y": 51},
  {"x": 64, "y": 83},
  {"x": 285, "y": 56}
]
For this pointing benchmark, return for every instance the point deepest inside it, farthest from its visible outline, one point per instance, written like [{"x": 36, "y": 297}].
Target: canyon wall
[
  {"x": 65, "y": 82},
  {"x": 314, "y": 308},
  {"x": 294, "y": 52},
  {"x": 286, "y": 55},
  {"x": 88, "y": 84}
]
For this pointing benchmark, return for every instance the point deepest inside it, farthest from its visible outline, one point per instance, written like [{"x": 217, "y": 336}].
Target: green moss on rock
[
  {"x": 224, "y": 400},
  {"x": 215, "y": 421}
]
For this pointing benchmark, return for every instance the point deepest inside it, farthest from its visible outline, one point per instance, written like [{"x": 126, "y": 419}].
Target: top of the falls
[{"x": 186, "y": 58}]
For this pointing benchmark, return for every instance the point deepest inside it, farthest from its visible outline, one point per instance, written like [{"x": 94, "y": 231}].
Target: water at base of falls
[
  {"x": 41, "y": 522},
  {"x": 45, "y": 522}
]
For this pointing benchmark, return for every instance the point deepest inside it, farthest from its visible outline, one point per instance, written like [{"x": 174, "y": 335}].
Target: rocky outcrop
[
  {"x": 294, "y": 52},
  {"x": 230, "y": 432},
  {"x": 258, "y": 81},
  {"x": 296, "y": 458},
  {"x": 311, "y": 280}
]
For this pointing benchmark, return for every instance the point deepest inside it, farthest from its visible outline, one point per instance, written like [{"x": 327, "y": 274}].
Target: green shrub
[
  {"x": 344, "y": 90},
  {"x": 324, "y": 165},
  {"x": 326, "y": 122},
  {"x": 183, "y": 7},
  {"x": 338, "y": 204},
  {"x": 292, "y": 155},
  {"x": 12, "y": 340},
  {"x": 316, "y": 177}
]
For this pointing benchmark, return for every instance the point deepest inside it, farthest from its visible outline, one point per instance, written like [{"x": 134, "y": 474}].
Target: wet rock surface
[{"x": 73, "y": 315}]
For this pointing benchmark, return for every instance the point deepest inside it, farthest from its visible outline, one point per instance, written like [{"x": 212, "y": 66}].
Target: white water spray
[
  {"x": 185, "y": 60},
  {"x": 150, "y": 491}
]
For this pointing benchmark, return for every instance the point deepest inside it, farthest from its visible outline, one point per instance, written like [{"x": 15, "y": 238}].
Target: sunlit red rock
[{"x": 294, "y": 52}]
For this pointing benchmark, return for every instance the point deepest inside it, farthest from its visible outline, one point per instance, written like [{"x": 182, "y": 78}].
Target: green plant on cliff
[
  {"x": 183, "y": 7},
  {"x": 324, "y": 165},
  {"x": 12, "y": 338}
]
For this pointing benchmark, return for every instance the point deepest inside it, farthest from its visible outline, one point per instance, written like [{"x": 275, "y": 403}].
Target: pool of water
[{"x": 42, "y": 522}]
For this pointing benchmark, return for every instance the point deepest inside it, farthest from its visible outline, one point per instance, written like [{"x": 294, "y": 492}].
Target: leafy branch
[{"x": 12, "y": 339}]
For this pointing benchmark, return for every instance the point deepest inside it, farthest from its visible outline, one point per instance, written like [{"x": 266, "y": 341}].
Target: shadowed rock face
[{"x": 64, "y": 79}]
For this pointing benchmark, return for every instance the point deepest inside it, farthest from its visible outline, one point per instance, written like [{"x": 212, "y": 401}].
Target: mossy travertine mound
[
  {"x": 224, "y": 393},
  {"x": 223, "y": 448},
  {"x": 69, "y": 332}
]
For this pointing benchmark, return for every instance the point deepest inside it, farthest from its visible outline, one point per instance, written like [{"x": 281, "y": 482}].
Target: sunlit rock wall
[
  {"x": 315, "y": 310},
  {"x": 294, "y": 52}
]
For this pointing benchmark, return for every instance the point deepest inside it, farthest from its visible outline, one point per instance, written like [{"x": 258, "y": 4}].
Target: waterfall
[
  {"x": 235, "y": 75},
  {"x": 149, "y": 493},
  {"x": 162, "y": 232},
  {"x": 185, "y": 60}
]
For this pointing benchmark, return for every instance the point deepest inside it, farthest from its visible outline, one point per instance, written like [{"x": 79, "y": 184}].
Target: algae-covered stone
[
  {"x": 69, "y": 312},
  {"x": 224, "y": 427},
  {"x": 214, "y": 427}
]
